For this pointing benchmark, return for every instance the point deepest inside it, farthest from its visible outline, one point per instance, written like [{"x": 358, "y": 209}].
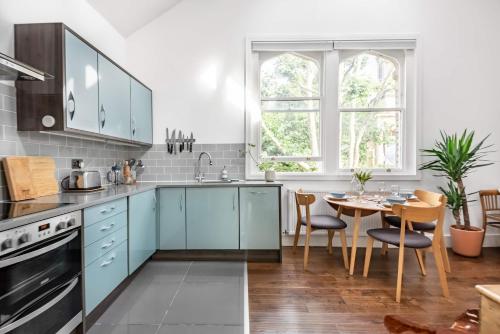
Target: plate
[{"x": 345, "y": 198}]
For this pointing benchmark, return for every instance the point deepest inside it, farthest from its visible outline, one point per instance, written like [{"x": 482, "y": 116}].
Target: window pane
[
  {"x": 289, "y": 75},
  {"x": 291, "y": 166},
  {"x": 290, "y": 134},
  {"x": 370, "y": 139},
  {"x": 312, "y": 105},
  {"x": 369, "y": 80}
]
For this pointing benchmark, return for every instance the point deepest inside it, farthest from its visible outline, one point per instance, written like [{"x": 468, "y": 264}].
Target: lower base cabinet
[
  {"x": 212, "y": 218},
  {"x": 105, "y": 274},
  {"x": 142, "y": 228},
  {"x": 172, "y": 219}
]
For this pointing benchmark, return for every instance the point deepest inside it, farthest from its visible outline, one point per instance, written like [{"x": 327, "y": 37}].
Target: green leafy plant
[
  {"x": 362, "y": 176},
  {"x": 455, "y": 157}
]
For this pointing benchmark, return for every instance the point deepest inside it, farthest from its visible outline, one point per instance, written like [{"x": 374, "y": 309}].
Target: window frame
[{"x": 330, "y": 113}]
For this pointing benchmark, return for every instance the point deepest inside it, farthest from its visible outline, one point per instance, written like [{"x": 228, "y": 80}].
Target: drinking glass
[{"x": 395, "y": 189}]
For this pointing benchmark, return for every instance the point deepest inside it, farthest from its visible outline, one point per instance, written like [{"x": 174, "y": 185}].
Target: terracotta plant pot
[{"x": 466, "y": 242}]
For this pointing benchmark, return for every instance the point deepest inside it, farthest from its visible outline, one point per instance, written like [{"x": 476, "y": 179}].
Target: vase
[{"x": 270, "y": 175}]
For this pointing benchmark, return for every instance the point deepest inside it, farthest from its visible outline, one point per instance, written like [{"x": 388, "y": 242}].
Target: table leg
[
  {"x": 355, "y": 234},
  {"x": 385, "y": 246}
]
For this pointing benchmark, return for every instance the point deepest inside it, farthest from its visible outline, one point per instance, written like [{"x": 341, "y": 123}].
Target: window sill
[{"x": 338, "y": 177}]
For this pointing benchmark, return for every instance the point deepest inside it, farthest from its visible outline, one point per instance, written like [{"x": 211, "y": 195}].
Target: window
[
  {"x": 370, "y": 106},
  {"x": 290, "y": 100},
  {"x": 318, "y": 109}
]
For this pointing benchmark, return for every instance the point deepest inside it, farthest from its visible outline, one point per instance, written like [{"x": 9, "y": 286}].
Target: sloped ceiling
[{"x": 127, "y": 16}]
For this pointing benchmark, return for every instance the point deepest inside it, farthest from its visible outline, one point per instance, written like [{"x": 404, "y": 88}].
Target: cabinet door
[
  {"x": 172, "y": 218},
  {"x": 141, "y": 112},
  {"x": 114, "y": 100},
  {"x": 142, "y": 228},
  {"x": 82, "y": 92},
  {"x": 259, "y": 218},
  {"x": 212, "y": 218}
]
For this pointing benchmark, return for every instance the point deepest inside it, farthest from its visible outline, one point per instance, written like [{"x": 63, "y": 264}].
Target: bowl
[
  {"x": 338, "y": 194},
  {"x": 406, "y": 194},
  {"x": 396, "y": 200}
]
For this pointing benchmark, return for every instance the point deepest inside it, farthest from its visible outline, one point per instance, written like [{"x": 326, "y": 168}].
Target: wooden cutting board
[{"x": 30, "y": 177}]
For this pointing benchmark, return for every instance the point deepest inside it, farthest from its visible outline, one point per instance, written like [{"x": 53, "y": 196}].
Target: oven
[{"x": 40, "y": 277}]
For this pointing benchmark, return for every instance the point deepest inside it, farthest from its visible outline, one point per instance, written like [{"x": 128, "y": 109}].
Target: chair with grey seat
[
  {"x": 430, "y": 198},
  {"x": 407, "y": 238},
  {"x": 317, "y": 222}
]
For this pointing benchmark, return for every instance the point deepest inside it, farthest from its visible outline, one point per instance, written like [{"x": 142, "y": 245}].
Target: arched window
[
  {"x": 290, "y": 85},
  {"x": 370, "y": 106}
]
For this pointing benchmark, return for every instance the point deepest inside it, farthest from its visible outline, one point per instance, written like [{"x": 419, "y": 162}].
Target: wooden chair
[
  {"x": 317, "y": 222},
  {"x": 490, "y": 204},
  {"x": 407, "y": 237},
  {"x": 433, "y": 199}
]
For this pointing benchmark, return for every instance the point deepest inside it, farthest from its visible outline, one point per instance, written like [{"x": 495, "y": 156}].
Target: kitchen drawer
[
  {"x": 99, "y": 212},
  {"x": 103, "y": 228},
  {"x": 104, "y": 245},
  {"x": 105, "y": 274}
]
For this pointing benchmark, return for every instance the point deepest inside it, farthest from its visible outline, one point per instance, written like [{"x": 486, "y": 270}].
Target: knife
[
  {"x": 191, "y": 143},
  {"x": 180, "y": 141},
  {"x": 174, "y": 150},
  {"x": 168, "y": 142}
]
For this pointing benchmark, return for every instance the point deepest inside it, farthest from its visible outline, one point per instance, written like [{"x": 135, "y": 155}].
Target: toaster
[{"x": 84, "y": 180}]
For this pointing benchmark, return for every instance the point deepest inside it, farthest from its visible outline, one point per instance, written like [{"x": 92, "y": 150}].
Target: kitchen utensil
[
  {"x": 174, "y": 148},
  {"x": 30, "y": 177},
  {"x": 179, "y": 140},
  {"x": 167, "y": 141},
  {"x": 191, "y": 143}
]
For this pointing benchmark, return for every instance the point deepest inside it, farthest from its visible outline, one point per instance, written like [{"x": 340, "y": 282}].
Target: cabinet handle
[
  {"x": 106, "y": 210},
  {"x": 257, "y": 193},
  {"x": 105, "y": 228},
  {"x": 154, "y": 201},
  {"x": 71, "y": 105},
  {"x": 133, "y": 126},
  {"x": 180, "y": 203},
  {"x": 109, "y": 244},
  {"x": 234, "y": 204},
  {"x": 103, "y": 116},
  {"x": 106, "y": 263}
]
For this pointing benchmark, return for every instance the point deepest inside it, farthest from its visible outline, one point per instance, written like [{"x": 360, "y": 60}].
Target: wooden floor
[{"x": 325, "y": 299}]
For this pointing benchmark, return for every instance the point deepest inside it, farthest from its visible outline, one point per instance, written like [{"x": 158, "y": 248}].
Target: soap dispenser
[{"x": 223, "y": 174}]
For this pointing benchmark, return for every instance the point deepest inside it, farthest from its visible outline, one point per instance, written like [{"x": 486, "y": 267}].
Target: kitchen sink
[{"x": 215, "y": 181}]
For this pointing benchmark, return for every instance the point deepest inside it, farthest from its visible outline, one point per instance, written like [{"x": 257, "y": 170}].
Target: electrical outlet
[{"x": 76, "y": 163}]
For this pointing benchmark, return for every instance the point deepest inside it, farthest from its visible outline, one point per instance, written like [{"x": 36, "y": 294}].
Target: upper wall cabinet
[
  {"x": 90, "y": 96},
  {"x": 82, "y": 92},
  {"x": 141, "y": 112},
  {"x": 114, "y": 100}
]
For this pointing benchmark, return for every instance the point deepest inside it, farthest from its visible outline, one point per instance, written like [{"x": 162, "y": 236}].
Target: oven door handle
[
  {"x": 38, "y": 252},
  {"x": 36, "y": 313}
]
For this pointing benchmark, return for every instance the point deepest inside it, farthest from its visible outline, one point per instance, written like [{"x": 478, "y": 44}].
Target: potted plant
[
  {"x": 455, "y": 157},
  {"x": 360, "y": 177},
  {"x": 269, "y": 174}
]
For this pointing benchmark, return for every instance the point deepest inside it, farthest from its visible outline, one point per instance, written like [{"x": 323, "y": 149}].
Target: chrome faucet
[{"x": 199, "y": 175}]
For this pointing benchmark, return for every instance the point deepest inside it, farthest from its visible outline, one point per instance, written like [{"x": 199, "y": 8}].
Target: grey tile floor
[{"x": 179, "y": 298}]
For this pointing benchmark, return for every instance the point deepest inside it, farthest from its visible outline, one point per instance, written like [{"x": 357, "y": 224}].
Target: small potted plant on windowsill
[
  {"x": 455, "y": 157},
  {"x": 269, "y": 173}
]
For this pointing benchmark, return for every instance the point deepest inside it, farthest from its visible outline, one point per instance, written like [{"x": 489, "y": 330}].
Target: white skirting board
[{"x": 320, "y": 239}]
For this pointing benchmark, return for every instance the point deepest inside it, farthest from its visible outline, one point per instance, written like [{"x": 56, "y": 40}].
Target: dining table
[{"x": 362, "y": 206}]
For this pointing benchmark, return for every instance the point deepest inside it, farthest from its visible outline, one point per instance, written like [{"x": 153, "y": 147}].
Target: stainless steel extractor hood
[{"x": 12, "y": 69}]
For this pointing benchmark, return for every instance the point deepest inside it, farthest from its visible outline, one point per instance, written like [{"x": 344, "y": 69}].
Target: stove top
[{"x": 10, "y": 210}]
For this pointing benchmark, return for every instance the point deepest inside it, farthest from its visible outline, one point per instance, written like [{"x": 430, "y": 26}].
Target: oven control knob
[
  {"x": 71, "y": 222},
  {"x": 62, "y": 226},
  {"x": 24, "y": 238},
  {"x": 6, "y": 244}
]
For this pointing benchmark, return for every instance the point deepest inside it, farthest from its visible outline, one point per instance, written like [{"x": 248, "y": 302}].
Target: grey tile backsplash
[{"x": 160, "y": 165}]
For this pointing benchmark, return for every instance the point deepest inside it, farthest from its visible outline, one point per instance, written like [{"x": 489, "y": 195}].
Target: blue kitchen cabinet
[
  {"x": 172, "y": 218},
  {"x": 259, "y": 218},
  {"x": 142, "y": 228},
  {"x": 81, "y": 83},
  {"x": 114, "y": 100},
  {"x": 212, "y": 219},
  {"x": 141, "y": 109}
]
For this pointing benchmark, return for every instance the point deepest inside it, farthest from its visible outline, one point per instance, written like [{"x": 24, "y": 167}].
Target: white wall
[
  {"x": 77, "y": 14},
  {"x": 193, "y": 58}
]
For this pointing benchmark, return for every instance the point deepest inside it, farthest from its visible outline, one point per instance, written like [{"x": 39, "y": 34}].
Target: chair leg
[
  {"x": 368, "y": 255},
  {"x": 344, "y": 249},
  {"x": 400, "y": 273},
  {"x": 421, "y": 264},
  {"x": 296, "y": 236},
  {"x": 331, "y": 234},
  {"x": 385, "y": 245},
  {"x": 441, "y": 271},
  {"x": 444, "y": 253},
  {"x": 306, "y": 247}
]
